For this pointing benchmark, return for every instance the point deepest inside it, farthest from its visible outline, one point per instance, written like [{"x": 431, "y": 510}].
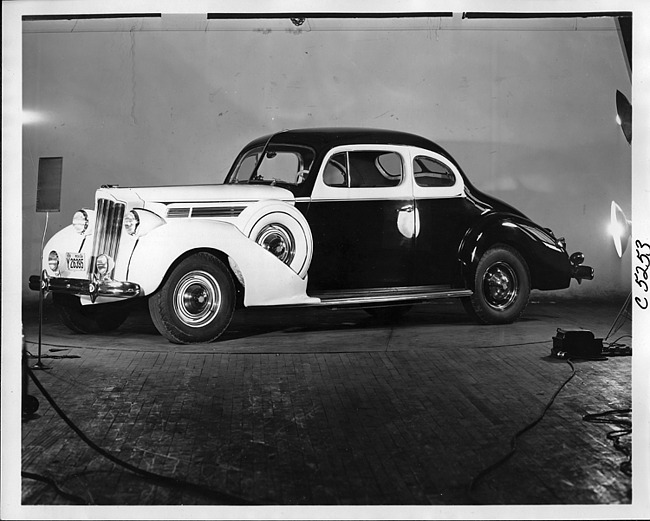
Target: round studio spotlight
[{"x": 620, "y": 228}]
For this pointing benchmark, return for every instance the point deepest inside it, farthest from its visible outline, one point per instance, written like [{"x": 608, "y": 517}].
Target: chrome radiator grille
[{"x": 108, "y": 225}]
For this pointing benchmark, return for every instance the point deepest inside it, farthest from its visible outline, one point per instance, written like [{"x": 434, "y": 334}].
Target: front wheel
[
  {"x": 92, "y": 318},
  {"x": 196, "y": 302},
  {"x": 501, "y": 287}
]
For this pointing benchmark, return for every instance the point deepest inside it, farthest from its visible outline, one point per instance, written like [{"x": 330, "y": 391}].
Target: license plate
[{"x": 76, "y": 261}]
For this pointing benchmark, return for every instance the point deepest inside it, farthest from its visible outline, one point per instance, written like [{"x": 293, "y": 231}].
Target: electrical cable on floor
[
  {"x": 71, "y": 497},
  {"x": 228, "y": 499},
  {"x": 185, "y": 352},
  {"x": 66, "y": 346},
  {"x": 54, "y": 357},
  {"x": 612, "y": 417},
  {"x": 513, "y": 440}
]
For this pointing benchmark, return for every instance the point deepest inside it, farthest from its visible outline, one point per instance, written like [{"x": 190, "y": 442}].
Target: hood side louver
[
  {"x": 178, "y": 212},
  {"x": 205, "y": 211}
]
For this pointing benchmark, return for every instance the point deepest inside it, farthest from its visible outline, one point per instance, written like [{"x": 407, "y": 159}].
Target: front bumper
[{"x": 103, "y": 288}]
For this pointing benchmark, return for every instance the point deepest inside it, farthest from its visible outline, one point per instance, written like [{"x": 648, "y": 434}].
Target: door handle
[{"x": 408, "y": 221}]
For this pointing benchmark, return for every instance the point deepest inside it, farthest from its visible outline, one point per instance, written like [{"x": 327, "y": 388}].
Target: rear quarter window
[{"x": 429, "y": 172}]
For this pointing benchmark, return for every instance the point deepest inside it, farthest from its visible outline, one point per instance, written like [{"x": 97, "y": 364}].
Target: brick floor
[{"x": 331, "y": 408}]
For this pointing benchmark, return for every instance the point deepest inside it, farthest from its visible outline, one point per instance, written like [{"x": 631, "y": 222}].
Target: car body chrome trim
[
  {"x": 205, "y": 211},
  {"x": 104, "y": 288},
  {"x": 178, "y": 212},
  {"x": 108, "y": 225},
  {"x": 386, "y": 295},
  {"x": 215, "y": 211}
]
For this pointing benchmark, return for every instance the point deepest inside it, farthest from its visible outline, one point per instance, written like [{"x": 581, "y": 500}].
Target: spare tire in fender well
[{"x": 279, "y": 227}]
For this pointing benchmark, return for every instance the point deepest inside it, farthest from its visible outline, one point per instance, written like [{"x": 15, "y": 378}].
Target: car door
[
  {"x": 444, "y": 215},
  {"x": 362, "y": 219}
]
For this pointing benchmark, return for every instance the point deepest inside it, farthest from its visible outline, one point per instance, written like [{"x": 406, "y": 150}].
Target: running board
[{"x": 387, "y": 296}]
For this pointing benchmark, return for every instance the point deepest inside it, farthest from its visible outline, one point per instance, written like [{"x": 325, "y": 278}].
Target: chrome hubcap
[
  {"x": 197, "y": 298},
  {"x": 500, "y": 285},
  {"x": 277, "y": 239}
]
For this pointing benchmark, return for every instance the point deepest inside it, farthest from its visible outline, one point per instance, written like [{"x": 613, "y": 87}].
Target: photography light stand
[
  {"x": 620, "y": 226},
  {"x": 624, "y": 314},
  {"x": 48, "y": 199},
  {"x": 39, "y": 365}
]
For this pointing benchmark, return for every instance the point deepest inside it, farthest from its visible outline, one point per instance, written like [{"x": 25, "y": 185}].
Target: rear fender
[
  {"x": 266, "y": 279},
  {"x": 548, "y": 263}
]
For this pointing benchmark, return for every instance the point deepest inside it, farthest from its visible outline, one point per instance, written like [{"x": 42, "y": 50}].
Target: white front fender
[
  {"x": 63, "y": 241},
  {"x": 267, "y": 280}
]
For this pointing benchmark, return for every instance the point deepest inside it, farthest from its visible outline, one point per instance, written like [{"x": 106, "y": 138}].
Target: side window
[
  {"x": 375, "y": 169},
  {"x": 336, "y": 170},
  {"x": 429, "y": 172}
]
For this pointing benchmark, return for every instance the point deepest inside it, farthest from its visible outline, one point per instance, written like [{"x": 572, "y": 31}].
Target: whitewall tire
[{"x": 196, "y": 302}]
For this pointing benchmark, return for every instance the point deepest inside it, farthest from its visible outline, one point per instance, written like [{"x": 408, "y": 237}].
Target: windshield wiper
[{"x": 266, "y": 145}]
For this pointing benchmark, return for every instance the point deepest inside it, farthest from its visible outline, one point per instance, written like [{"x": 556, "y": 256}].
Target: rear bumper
[
  {"x": 578, "y": 271},
  {"x": 104, "y": 288},
  {"x": 581, "y": 273}
]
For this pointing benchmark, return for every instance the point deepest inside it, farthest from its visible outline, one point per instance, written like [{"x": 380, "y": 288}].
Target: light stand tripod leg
[
  {"x": 29, "y": 402},
  {"x": 39, "y": 364},
  {"x": 622, "y": 316}
]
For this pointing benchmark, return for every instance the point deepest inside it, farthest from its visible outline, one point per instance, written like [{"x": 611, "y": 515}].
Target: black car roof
[
  {"x": 322, "y": 139},
  {"x": 334, "y": 136}
]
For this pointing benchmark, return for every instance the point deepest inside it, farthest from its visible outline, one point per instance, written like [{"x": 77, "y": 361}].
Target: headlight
[
  {"x": 139, "y": 222},
  {"x": 131, "y": 222},
  {"x": 53, "y": 261},
  {"x": 80, "y": 221}
]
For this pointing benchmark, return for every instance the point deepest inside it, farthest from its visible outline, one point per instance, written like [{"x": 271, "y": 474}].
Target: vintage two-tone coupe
[{"x": 330, "y": 217}]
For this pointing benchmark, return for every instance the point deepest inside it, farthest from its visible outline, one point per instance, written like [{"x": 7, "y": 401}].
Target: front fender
[
  {"x": 65, "y": 240},
  {"x": 267, "y": 280},
  {"x": 548, "y": 262}
]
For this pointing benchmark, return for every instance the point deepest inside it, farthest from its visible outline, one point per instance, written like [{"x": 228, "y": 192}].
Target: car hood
[{"x": 239, "y": 193}]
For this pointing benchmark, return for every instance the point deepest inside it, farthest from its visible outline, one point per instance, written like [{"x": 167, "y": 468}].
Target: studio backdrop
[{"x": 527, "y": 106}]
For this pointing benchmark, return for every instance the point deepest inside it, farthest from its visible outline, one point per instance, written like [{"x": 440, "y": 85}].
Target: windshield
[{"x": 287, "y": 164}]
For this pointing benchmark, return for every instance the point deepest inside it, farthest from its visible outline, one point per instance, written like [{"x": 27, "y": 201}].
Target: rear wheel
[
  {"x": 196, "y": 302},
  {"x": 92, "y": 318},
  {"x": 501, "y": 287}
]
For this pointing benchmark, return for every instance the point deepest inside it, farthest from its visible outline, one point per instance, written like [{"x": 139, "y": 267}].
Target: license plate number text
[{"x": 76, "y": 261}]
